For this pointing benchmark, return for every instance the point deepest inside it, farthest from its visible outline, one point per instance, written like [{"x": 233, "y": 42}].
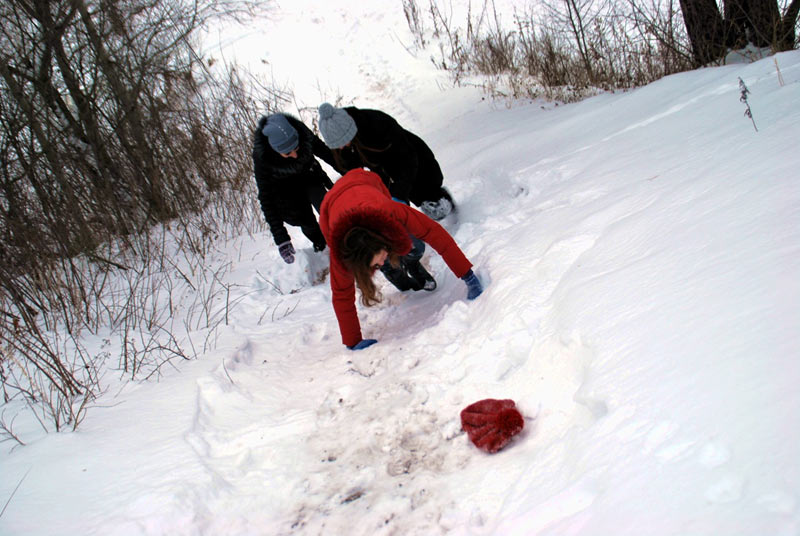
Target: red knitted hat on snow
[{"x": 490, "y": 424}]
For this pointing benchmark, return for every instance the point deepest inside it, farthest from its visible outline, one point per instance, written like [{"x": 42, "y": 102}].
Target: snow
[{"x": 641, "y": 256}]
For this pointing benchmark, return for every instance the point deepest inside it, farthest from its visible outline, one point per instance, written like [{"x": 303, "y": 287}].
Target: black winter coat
[
  {"x": 288, "y": 187},
  {"x": 404, "y": 162}
]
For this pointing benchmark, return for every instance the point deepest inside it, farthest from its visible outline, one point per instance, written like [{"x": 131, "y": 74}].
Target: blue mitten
[
  {"x": 363, "y": 343},
  {"x": 474, "y": 287},
  {"x": 287, "y": 252}
]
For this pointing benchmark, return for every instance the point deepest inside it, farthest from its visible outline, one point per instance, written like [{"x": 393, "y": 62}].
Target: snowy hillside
[{"x": 641, "y": 252}]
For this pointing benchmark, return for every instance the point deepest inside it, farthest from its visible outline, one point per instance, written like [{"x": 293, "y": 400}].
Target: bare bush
[
  {"x": 415, "y": 21},
  {"x": 122, "y": 149},
  {"x": 560, "y": 49}
]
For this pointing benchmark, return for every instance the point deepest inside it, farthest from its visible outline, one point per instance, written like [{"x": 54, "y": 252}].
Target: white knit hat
[{"x": 336, "y": 126}]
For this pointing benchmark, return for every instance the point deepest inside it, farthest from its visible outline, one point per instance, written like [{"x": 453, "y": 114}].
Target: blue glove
[
  {"x": 287, "y": 251},
  {"x": 399, "y": 200},
  {"x": 474, "y": 287},
  {"x": 363, "y": 343}
]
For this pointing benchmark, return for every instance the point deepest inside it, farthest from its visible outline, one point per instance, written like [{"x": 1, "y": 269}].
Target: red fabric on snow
[
  {"x": 490, "y": 423},
  {"x": 361, "y": 198}
]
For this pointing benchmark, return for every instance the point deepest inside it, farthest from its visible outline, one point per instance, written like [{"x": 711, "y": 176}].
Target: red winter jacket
[{"x": 360, "y": 198}]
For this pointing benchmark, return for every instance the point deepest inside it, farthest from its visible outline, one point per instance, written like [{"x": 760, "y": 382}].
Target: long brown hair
[
  {"x": 361, "y": 150},
  {"x": 356, "y": 251}
]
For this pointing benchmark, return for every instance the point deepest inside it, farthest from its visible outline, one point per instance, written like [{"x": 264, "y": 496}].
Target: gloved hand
[
  {"x": 474, "y": 287},
  {"x": 319, "y": 247},
  {"x": 363, "y": 343},
  {"x": 287, "y": 251}
]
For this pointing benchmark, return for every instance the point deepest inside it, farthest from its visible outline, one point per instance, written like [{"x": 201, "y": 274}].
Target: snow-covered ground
[{"x": 641, "y": 252}]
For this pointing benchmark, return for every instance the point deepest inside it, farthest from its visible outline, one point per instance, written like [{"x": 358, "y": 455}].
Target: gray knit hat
[
  {"x": 336, "y": 126},
  {"x": 282, "y": 136}
]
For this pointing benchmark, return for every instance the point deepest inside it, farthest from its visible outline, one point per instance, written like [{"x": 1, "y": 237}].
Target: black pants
[
  {"x": 310, "y": 229},
  {"x": 315, "y": 193},
  {"x": 307, "y": 221},
  {"x": 399, "y": 275}
]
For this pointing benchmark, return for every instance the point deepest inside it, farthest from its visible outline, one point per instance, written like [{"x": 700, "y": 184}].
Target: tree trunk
[
  {"x": 577, "y": 26},
  {"x": 735, "y": 13},
  {"x": 752, "y": 21},
  {"x": 744, "y": 21},
  {"x": 706, "y": 30},
  {"x": 786, "y": 35}
]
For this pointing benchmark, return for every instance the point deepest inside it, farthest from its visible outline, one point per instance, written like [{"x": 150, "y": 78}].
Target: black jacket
[
  {"x": 288, "y": 187},
  {"x": 404, "y": 162}
]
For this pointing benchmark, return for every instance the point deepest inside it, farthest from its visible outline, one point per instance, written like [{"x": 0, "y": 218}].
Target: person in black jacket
[
  {"x": 373, "y": 139},
  {"x": 290, "y": 180}
]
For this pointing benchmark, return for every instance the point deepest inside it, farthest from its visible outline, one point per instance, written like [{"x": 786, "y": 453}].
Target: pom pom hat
[
  {"x": 490, "y": 424},
  {"x": 336, "y": 126},
  {"x": 282, "y": 136}
]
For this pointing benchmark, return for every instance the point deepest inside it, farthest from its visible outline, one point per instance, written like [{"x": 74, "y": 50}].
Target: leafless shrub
[
  {"x": 561, "y": 49},
  {"x": 7, "y": 430},
  {"x": 495, "y": 49},
  {"x": 414, "y": 19},
  {"x": 122, "y": 151},
  {"x": 42, "y": 368}
]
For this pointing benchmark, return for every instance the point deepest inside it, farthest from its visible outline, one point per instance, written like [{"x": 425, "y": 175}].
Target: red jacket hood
[{"x": 361, "y": 199}]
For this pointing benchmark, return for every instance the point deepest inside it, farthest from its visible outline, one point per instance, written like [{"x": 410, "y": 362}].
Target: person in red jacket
[{"x": 366, "y": 229}]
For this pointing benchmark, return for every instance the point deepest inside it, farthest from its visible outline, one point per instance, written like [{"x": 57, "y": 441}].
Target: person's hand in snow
[
  {"x": 363, "y": 343},
  {"x": 287, "y": 251},
  {"x": 474, "y": 287}
]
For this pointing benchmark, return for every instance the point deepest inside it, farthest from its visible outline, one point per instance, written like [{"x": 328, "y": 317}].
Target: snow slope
[{"x": 641, "y": 252}]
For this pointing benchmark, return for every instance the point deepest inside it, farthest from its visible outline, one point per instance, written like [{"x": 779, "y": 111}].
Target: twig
[
  {"x": 3, "y": 511},
  {"x": 8, "y": 430},
  {"x": 778, "y": 69},
  {"x": 262, "y": 315},
  {"x": 226, "y": 372},
  {"x": 227, "y": 302},
  {"x": 276, "y": 287},
  {"x": 743, "y": 98}
]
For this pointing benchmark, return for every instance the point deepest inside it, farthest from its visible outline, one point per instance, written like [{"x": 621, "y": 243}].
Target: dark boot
[
  {"x": 422, "y": 279},
  {"x": 398, "y": 277}
]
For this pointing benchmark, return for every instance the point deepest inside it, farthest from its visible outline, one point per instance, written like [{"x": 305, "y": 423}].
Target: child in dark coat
[
  {"x": 289, "y": 178},
  {"x": 373, "y": 139}
]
